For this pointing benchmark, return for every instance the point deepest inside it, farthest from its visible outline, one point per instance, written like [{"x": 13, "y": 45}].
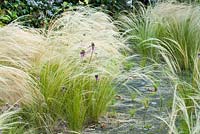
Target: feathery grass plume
[
  {"x": 16, "y": 85},
  {"x": 191, "y": 2},
  {"x": 78, "y": 29},
  {"x": 20, "y": 47}
]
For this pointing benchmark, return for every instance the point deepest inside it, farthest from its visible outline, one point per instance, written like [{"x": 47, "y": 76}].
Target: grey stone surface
[{"x": 131, "y": 117}]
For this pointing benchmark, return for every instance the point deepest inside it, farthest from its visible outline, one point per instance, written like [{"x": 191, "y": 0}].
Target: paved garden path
[{"x": 136, "y": 114}]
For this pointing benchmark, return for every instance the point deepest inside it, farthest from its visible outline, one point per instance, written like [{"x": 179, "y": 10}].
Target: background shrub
[{"x": 39, "y": 12}]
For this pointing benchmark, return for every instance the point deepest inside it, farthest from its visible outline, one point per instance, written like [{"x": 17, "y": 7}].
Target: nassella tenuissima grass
[{"x": 64, "y": 74}]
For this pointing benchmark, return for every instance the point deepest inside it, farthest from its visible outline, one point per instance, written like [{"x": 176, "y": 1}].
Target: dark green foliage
[
  {"x": 114, "y": 6},
  {"x": 38, "y": 13}
]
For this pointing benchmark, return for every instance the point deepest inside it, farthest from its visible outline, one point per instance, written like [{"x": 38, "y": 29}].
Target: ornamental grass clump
[
  {"x": 180, "y": 35},
  {"x": 170, "y": 31},
  {"x": 86, "y": 60},
  {"x": 63, "y": 73}
]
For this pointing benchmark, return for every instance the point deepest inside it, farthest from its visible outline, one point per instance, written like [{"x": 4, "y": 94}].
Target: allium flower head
[
  {"x": 82, "y": 53},
  {"x": 96, "y": 77}
]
